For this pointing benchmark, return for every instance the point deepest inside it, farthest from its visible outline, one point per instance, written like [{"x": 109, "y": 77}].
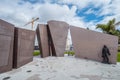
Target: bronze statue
[{"x": 105, "y": 54}]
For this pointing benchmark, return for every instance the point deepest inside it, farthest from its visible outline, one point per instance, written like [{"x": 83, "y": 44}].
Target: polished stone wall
[
  {"x": 58, "y": 31},
  {"x": 6, "y": 45},
  {"x": 42, "y": 36},
  {"x": 88, "y": 44},
  {"x": 17, "y": 45},
  {"x": 23, "y": 47}
]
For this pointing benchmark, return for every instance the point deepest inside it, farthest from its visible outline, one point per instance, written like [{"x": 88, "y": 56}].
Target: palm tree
[{"x": 109, "y": 28}]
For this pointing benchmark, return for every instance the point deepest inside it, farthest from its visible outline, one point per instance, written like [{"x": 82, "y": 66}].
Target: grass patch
[
  {"x": 36, "y": 53},
  {"x": 118, "y": 57},
  {"x": 73, "y": 53},
  {"x": 70, "y": 53}
]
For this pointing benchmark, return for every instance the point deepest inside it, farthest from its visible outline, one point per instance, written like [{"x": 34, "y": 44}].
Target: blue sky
[{"x": 81, "y": 13}]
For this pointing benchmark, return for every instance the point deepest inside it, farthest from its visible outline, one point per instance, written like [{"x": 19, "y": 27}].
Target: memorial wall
[
  {"x": 17, "y": 45},
  {"x": 88, "y": 44},
  {"x": 6, "y": 45},
  {"x": 23, "y": 47},
  {"x": 58, "y": 31},
  {"x": 42, "y": 36}
]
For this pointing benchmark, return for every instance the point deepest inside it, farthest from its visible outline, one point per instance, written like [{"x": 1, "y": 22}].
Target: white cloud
[
  {"x": 90, "y": 11},
  {"x": 17, "y": 14},
  {"x": 85, "y": 3},
  {"x": 108, "y": 8},
  {"x": 57, "y": 12},
  {"x": 21, "y": 14},
  {"x": 110, "y": 11}
]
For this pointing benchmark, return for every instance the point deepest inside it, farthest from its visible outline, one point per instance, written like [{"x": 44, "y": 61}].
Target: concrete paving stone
[{"x": 64, "y": 68}]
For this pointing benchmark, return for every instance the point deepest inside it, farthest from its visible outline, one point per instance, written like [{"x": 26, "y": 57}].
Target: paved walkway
[{"x": 63, "y": 68}]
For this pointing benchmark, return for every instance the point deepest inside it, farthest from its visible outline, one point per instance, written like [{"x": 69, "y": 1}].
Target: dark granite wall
[
  {"x": 88, "y": 44},
  {"x": 58, "y": 31},
  {"x": 6, "y": 45},
  {"x": 42, "y": 36},
  {"x": 23, "y": 47}
]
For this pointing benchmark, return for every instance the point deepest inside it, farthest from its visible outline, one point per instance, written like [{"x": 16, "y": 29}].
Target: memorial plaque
[
  {"x": 42, "y": 36},
  {"x": 6, "y": 45},
  {"x": 88, "y": 44},
  {"x": 23, "y": 47},
  {"x": 58, "y": 32}
]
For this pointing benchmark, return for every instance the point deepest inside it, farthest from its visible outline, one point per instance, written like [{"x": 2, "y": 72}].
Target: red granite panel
[
  {"x": 88, "y": 44},
  {"x": 6, "y": 45}
]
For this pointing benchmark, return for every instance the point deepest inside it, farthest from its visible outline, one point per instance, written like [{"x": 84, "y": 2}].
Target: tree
[{"x": 110, "y": 28}]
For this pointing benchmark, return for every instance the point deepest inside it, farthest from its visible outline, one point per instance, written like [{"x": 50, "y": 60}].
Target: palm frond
[
  {"x": 113, "y": 20},
  {"x": 103, "y": 27},
  {"x": 100, "y": 26},
  {"x": 109, "y": 28}
]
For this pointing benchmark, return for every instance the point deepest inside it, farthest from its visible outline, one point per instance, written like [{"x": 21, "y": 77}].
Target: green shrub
[
  {"x": 119, "y": 48},
  {"x": 118, "y": 57},
  {"x": 66, "y": 52},
  {"x": 36, "y": 53}
]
